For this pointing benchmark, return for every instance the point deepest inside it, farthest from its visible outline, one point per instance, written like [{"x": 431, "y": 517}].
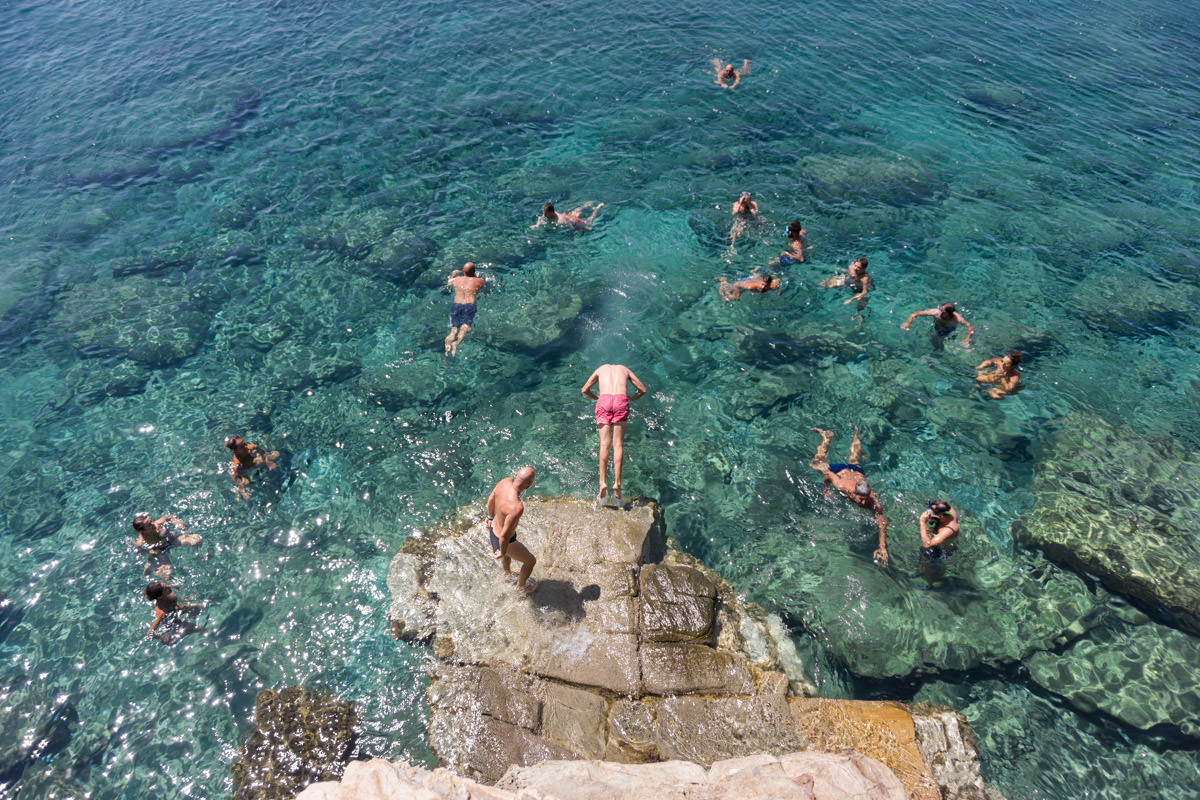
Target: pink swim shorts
[{"x": 611, "y": 409}]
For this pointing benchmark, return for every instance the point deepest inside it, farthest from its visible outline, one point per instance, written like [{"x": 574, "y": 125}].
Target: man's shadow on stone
[{"x": 562, "y": 597}]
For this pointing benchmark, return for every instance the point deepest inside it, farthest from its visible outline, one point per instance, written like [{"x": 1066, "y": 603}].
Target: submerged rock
[
  {"x": 628, "y": 651},
  {"x": 1121, "y": 506},
  {"x": 299, "y": 737},
  {"x": 870, "y": 179},
  {"x": 1144, "y": 675}
]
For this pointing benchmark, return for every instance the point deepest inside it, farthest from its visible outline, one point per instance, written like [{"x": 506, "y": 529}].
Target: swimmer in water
[
  {"x": 155, "y": 537},
  {"x": 247, "y": 457},
  {"x": 797, "y": 245},
  {"x": 167, "y": 611},
  {"x": 1004, "y": 378},
  {"x": 744, "y": 210},
  {"x": 851, "y": 482},
  {"x": 573, "y": 219},
  {"x": 945, "y": 322},
  {"x": 751, "y": 283},
  {"x": 727, "y": 76},
  {"x": 938, "y": 530},
  {"x": 855, "y": 279}
]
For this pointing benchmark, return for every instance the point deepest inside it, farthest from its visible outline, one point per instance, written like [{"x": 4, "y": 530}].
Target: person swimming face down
[{"x": 549, "y": 213}]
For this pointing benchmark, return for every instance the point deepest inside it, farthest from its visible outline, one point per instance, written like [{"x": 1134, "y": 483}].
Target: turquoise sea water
[{"x": 239, "y": 217}]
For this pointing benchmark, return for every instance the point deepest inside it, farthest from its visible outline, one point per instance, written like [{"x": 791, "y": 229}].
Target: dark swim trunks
[
  {"x": 496, "y": 542},
  {"x": 935, "y": 556},
  {"x": 786, "y": 260},
  {"x": 836, "y": 468},
  {"x": 462, "y": 314}
]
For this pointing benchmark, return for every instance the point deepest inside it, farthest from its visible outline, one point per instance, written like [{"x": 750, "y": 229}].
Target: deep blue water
[{"x": 240, "y": 216}]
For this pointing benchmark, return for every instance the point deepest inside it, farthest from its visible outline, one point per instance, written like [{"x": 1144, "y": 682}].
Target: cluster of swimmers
[{"x": 155, "y": 538}]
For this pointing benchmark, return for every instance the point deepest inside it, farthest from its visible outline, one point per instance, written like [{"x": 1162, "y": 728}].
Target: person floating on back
[
  {"x": 573, "y": 219},
  {"x": 852, "y": 483},
  {"x": 247, "y": 457},
  {"x": 612, "y": 412},
  {"x": 727, "y": 76},
  {"x": 462, "y": 313},
  {"x": 751, "y": 283},
  {"x": 504, "y": 510},
  {"x": 945, "y": 322},
  {"x": 1004, "y": 378},
  {"x": 155, "y": 537},
  {"x": 856, "y": 280},
  {"x": 938, "y": 529}
]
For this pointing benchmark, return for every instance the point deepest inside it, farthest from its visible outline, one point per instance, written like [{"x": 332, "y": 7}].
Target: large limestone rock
[
  {"x": 1121, "y": 506},
  {"x": 628, "y": 652},
  {"x": 1144, "y": 675},
  {"x": 796, "y": 776}
]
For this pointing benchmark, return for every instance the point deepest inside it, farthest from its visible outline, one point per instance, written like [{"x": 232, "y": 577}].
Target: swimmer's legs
[
  {"x": 820, "y": 459},
  {"x": 856, "y": 448},
  {"x": 606, "y": 435},
  {"x": 449, "y": 341},
  {"x": 618, "y": 456}
]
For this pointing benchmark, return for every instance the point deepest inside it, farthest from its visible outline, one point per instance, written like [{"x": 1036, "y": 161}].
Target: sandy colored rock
[{"x": 882, "y": 730}]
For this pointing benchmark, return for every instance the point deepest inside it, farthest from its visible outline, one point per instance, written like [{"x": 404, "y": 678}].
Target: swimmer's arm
[
  {"x": 970, "y": 329},
  {"x": 860, "y": 295},
  {"x": 587, "y": 387},
  {"x": 929, "y": 312},
  {"x": 158, "y": 617},
  {"x": 641, "y": 390},
  {"x": 737, "y": 78},
  {"x": 881, "y": 555},
  {"x": 923, "y": 530},
  {"x": 538, "y": 224},
  {"x": 989, "y": 362},
  {"x": 936, "y": 540}
]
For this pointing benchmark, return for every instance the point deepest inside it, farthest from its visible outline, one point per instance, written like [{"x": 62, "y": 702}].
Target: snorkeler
[
  {"x": 504, "y": 510},
  {"x": 247, "y": 457},
  {"x": 573, "y": 220},
  {"x": 167, "y": 610},
  {"x": 850, "y": 480},
  {"x": 744, "y": 210},
  {"x": 945, "y": 322},
  {"x": 726, "y": 72},
  {"x": 752, "y": 282},
  {"x": 1004, "y": 378},
  {"x": 462, "y": 313},
  {"x": 154, "y": 538},
  {"x": 938, "y": 529},
  {"x": 797, "y": 245},
  {"x": 857, "y": 280}
]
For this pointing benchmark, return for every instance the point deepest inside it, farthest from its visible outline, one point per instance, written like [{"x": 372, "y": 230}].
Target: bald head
[
  {"x": 523, "y": 477},
  {"x": 469, "y": 269}
]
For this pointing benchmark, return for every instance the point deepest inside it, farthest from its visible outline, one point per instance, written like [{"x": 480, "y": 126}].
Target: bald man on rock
[{"x": 504, "y": 509}]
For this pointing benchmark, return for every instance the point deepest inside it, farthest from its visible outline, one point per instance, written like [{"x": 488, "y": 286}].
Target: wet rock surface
[
  {"x": 299, "y": 737},
  {"x": 1121, "y": 506},
  {"x": 629, "y": 651}
]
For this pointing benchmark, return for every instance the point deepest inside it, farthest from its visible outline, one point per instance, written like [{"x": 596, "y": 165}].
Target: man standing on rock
[
  {"x": 462, "y": 313},
  {"x": 504, "y": 509},
  {"x": 612, "y": 411}
]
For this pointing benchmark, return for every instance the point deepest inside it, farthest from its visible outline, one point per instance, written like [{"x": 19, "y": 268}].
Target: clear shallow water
[{"x": 239, "y": 217}]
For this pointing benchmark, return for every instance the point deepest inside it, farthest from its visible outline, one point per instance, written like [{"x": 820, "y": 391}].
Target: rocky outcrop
[
  {"x": 944, "y": 739},
  {"x": 628, "y": 651},
  {"x": 299, "y": 737},
  {"x": 798, "y": 776},
  {"x": 1121, "y": 506}
]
